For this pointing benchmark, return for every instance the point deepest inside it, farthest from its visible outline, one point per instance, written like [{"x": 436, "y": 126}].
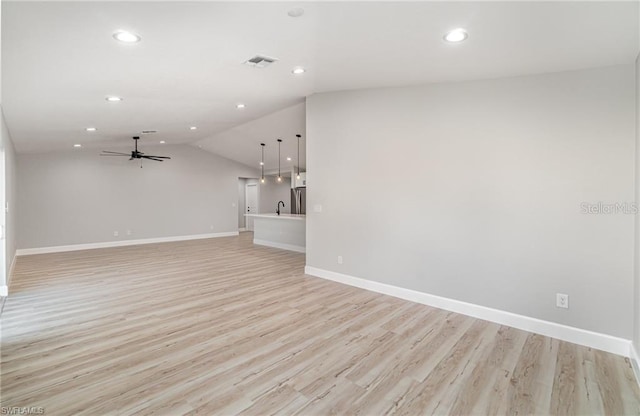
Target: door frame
[{"x": 246, "y": 203}]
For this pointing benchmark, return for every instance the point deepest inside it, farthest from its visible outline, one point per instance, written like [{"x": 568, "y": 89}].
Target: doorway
[{"x": 252, "y": 203}]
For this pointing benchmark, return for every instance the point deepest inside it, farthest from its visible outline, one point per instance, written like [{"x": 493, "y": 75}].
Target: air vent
[
  {"x": 260, "y": 61},
  {"x": 149, "y": 131}
]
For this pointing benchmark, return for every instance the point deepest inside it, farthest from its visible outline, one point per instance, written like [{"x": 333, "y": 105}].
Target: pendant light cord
[
  {"x": 298, "y": 136},
  {"x": 262, "y": 161},
  {"x": 279, "y": 142}
]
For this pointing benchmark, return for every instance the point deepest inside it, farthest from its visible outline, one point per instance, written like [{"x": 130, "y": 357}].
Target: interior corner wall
[
  {"x": 77, "y": 197},
  {"x": 10, "y": 211},
  {"x": 476, "y": 191}
]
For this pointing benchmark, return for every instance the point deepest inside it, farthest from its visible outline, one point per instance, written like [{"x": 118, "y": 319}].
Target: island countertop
[{"x": 297, "y": 217}]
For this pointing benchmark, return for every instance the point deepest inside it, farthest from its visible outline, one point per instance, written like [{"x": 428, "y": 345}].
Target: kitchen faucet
[{"x": 278, "y": 210}]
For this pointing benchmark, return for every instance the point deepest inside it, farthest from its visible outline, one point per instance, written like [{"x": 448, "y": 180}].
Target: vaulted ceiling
[{"x": 60, "y": 62}]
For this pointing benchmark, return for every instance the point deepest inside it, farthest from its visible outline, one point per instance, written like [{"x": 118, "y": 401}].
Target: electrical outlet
[
  {"x": 129, "y": 232},
  {"x": 115, "y": 233},
  {"x": 339, "y": 259},
  {"x": 562, "y": 300},
  {"x": 317, "y": 208},
  {"x": 211, "y": 227}
]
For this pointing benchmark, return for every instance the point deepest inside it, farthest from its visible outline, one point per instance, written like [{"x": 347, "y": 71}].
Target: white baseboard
[
  {"x": 106, "y": 244},
  {"x": 635, "y": 362},
  {"x": 283, "y": 246},
  {"x": 579, "y": 336},
  {"x": 242, "y": 229}
]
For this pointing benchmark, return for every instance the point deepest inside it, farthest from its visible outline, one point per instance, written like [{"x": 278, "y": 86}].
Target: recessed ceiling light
[
  {"x": 113, "y": 99},
  {"x": 193, "y": 128},
  {"x": 297, "y": 12},
  {"x": 240, "y": 106},
  {"x": 77, "y": 145},
  {"x": 456, "y": 35},
  {"x": 162, "y": 141},
  {"x": 126, "y": 37},
  {"x": 91, "y": 129},
  {"x": 298, "y": 70},
  {"x": 288, "y": 159},
  {"x": 261, "y": 163}
]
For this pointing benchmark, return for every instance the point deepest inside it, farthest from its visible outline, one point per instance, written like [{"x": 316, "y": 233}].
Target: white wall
[
  {"x": 79, "y": 197},
  {"x": 273, "y": 191},
  {"x": 494, "y": 173}
]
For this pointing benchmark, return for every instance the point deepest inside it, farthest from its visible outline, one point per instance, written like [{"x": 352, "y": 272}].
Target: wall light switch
[
  {"x": 317, "y": 208},
  {"x": 339, "y": 259}
]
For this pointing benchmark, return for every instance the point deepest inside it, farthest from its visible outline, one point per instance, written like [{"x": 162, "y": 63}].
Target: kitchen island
[{"x": 285, "y": 231}]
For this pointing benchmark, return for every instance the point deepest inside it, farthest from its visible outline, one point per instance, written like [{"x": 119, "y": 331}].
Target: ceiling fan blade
[
  {"x": 115, "y": 153},
  {"x": 135, "y": 154}
]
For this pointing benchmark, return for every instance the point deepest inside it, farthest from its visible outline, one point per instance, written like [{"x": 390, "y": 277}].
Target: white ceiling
[
  {"x": 59, "y": 61},
  {"x": 242, "y": 143}
]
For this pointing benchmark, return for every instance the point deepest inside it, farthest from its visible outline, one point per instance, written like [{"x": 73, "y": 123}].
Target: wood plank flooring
[{"x": 220, "y": 327}]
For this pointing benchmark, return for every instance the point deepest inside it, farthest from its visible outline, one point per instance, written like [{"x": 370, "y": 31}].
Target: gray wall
[
  {"x": 636, "y": 252},
  {"x": 271, "y": 192},
  {"x": 493, "y": 173},
  {"x": 79, "y": 197}
]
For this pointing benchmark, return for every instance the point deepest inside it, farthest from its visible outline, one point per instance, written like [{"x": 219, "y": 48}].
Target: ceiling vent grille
[
  {"x": 260, "y": 61},
  {"x": 149, "y": 131}
]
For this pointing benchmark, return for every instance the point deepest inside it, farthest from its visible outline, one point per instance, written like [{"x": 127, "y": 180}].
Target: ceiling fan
[{"x": 135, "y": 154}]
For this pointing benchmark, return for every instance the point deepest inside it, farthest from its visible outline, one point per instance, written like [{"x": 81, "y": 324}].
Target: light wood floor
[{"x": 221, "y": 327}]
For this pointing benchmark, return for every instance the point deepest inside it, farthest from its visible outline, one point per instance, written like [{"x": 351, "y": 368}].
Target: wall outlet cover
[{"x": 562, "y": 300}]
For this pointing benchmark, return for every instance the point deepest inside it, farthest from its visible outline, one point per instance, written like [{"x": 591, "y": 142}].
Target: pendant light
[
  {"x": 279, "y": 177},
  {"x": 298, "y": 136},
  {"x": 262, "y": 162}
]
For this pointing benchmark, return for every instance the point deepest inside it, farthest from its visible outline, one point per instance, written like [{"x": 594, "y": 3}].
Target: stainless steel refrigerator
[{"x": 299, "y": 201}]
